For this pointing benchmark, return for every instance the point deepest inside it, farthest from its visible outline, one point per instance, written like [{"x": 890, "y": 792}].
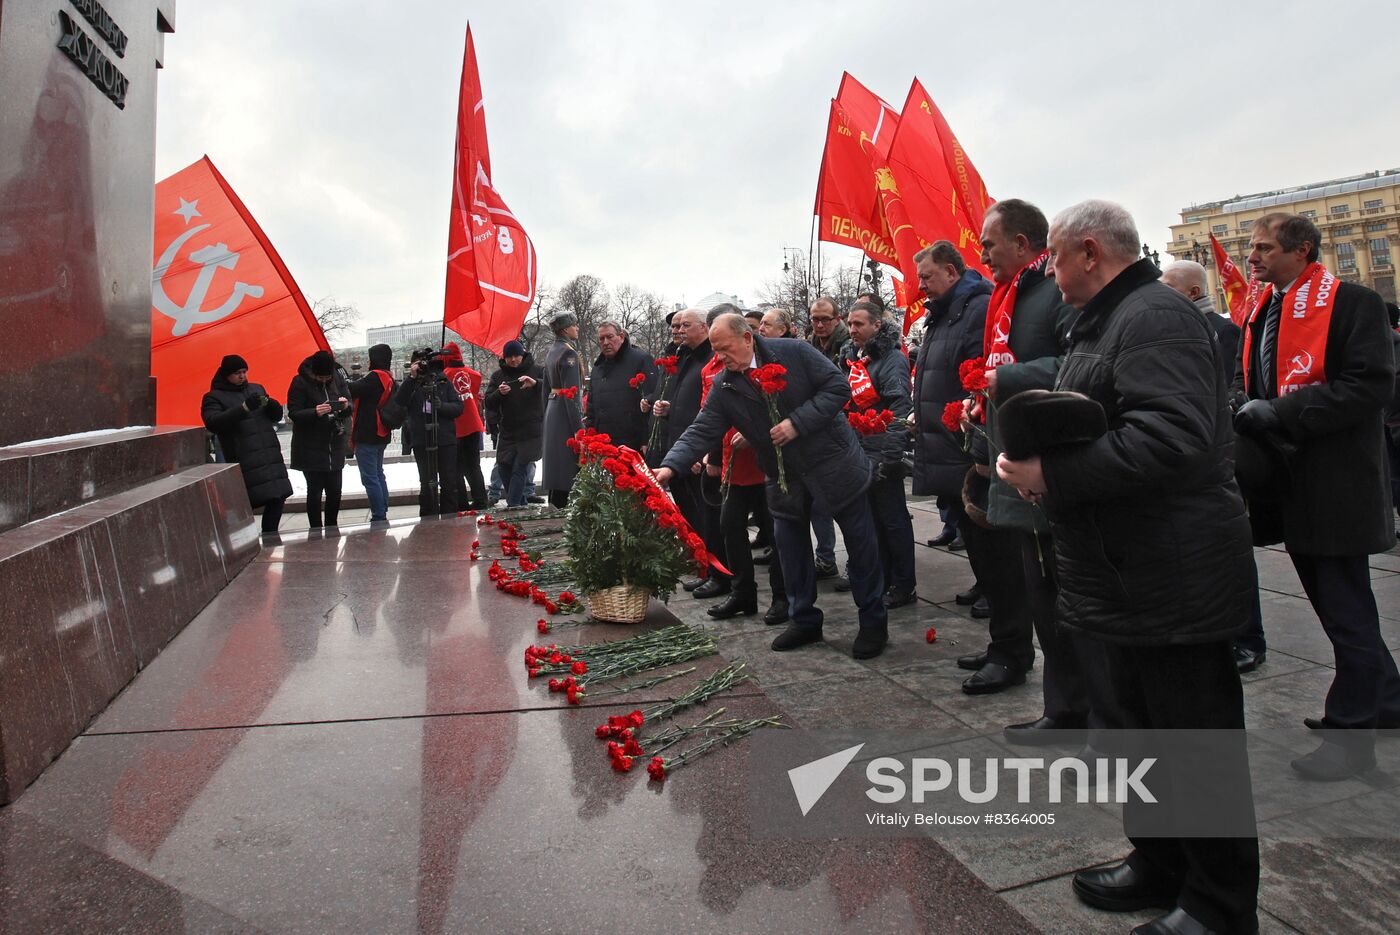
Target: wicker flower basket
[{"x": 624, "y": 603}]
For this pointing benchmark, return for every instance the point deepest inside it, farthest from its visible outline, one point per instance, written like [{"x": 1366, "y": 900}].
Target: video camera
[{"x": 434, "y": 358}]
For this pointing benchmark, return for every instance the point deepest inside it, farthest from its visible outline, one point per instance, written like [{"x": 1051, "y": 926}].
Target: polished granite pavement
[{"x": 345, "y": 741}]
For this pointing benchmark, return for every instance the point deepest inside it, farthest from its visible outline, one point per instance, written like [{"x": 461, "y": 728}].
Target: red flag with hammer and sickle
[
  {"x": 219, "y": 287},
  {"x": 1242, "y": 296},
  {"x": 490, "y": 259}
]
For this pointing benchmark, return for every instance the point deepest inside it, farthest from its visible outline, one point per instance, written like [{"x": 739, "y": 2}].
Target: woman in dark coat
[
  {"x": 515, "y": 393},
  {"x": 318, "y": 403},
  {"x": 563, "y": 415},
  {"x": 244, "y": 419}
]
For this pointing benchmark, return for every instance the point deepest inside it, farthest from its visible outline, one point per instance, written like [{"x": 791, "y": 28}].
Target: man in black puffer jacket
[
  {"x": 953, "y": 323},
  {"x": 878, "y": 373},
  {"x": 614, "y": 393},
  {"x": 244, "y": 418},
  {"x": 1154, "y": 556},
  {"x": 318, "y": 403},
  {"x": 515, "y": 395}
]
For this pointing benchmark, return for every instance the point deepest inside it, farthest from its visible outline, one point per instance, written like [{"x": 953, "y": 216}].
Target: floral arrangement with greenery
[{"x": 622, "y": 529}]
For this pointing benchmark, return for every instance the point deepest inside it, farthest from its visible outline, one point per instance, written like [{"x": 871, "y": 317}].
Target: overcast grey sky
[{"x": 678, "y": 148}]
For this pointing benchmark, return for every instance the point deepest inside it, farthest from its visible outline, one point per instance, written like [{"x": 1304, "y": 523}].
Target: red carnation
[
  {"x": 622, "y": 763},
  {"x": 567, "y": 597},
  {"x": 636, "y": 719},
  {"x": 931, "y": 635},
  {"x": 574, "y": 694},
  {"x": 952, "y": 416},
  {"x": 637, "y": 381},
  {"x": 668, "y": 364},
  {"x": 632, "y": 748},
  {"x": 601, "y": 731},
  {"x": 542, "y": 626},
  {"x": 550, "y": 607},
  {"x": 973, "y": 374},
  {"x": 579, "y": 668},
  {"x": 555, "y": 685},
  {"x": 656, "y": 769}
]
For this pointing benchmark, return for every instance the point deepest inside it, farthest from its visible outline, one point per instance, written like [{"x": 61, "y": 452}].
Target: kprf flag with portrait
[
  {"x": 218, "y": 287},
  {"x": 490, "y": 258}
]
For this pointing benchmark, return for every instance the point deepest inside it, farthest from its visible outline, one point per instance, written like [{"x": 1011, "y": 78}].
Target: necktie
[{"x": 1267, "y": 370}]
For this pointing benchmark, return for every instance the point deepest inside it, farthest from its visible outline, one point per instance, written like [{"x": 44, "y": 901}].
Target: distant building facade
[{"x": 1359, "y": 218}]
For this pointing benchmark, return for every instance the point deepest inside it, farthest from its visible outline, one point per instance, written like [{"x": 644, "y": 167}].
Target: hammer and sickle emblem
[
  {"x": 211, "y": 259},
  {"x": 1302, "y": 365},
  {"x": 884, "y": 181}
]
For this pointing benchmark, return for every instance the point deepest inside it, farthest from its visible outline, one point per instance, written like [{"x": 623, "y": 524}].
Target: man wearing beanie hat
[
  {"x": 244, "y": 420},
  {"x": 514, "y": 394},
  {"x": 370, "y": 431},
  {"x": 318, "y": 404},
  {"x": 563, "y": 416}
]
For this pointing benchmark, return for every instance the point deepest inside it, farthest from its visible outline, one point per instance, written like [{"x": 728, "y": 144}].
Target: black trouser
[
  {"x": 559, "y": 498},
  {"x": 1192, "y": 688},
  {"x": 272, "y": 514},
  {"x": 469, "y": 473},
  {"x": 734, "y": 516},
  {"x": 995, "y": 555},
  {"x": 437, "y": 479},
  {"x": 317, "y": 483},
  {"x": 1073, "y": 681},
  {"x": 1252, "y": 636},
  {"x": 1367, "y": 685}
]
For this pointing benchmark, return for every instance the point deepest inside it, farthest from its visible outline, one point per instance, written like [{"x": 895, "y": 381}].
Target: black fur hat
[{"x": 1035, "y": 421}]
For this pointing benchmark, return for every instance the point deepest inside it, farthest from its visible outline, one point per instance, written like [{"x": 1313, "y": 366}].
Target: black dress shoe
[
  {"x": 795, "y": 636},
  {"x": 1334, "y": 762},
  {"x": 826, "y": 570},
  {"x": 992, "y": 678},
  {"x": 1120, "y": 888},
  {"x": 1176, "y": 922},
  {"x": 869, "y": 643},
  {"x": 842, "y": 583},
  {"x": 973, "y": 661},
  {"x": 692, "y": 584},
  {"x": 970, "y": 596},
  {"x": 735, "y": 605},
  {"x": 765, "y": 559},
  {"x": 895, "y": 599},
  {"x": 776, "y": 614},
  {"x": 957, "y": 545},
  {"x": 943, "y": 538},
  {"x": 981, "y": 609},
  {"x": 1247, "y": 660},
  {"x": 712, "y": 588},
  {"x": 1046, "y": 730}
]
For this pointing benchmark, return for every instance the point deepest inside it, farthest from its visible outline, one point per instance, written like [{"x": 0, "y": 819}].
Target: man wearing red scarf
[
  {"x": 1316, "y": 372},
  {"x": 1025, "y": 333}
]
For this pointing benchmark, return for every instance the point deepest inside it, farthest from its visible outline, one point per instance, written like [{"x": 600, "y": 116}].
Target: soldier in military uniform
[{"x": 563, "y": 371}]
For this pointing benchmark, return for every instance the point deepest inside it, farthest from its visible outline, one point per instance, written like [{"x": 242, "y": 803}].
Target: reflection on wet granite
[
  {"x": 434, "y": 824},
  {"x": 94, "y": 594}
]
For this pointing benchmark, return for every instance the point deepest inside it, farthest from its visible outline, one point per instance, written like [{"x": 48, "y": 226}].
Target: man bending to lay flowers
[{"x": 788, "y": 400}]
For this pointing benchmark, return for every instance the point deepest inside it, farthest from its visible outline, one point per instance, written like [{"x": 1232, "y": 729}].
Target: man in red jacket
[{"x": 467, "y": 383}]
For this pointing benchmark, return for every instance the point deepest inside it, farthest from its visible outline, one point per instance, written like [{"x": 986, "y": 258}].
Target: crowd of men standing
[{"x": 1108, "y": 466}]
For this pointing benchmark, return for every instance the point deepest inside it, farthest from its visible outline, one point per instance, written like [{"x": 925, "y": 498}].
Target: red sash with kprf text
[
  {"x": 863, "y": 392},
  {"x": 996, "y": 335},
  {"x": 1301, "y": 345}
]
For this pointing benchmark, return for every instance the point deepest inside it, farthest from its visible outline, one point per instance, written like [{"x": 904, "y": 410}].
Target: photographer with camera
[
  {"x": 244, "y": 419},
  {"x": 318, "y": 403},
  {"x": 432, "y": 406},
  {"x": 879, "y": 376},
  {"x": 515, "y": 395}
]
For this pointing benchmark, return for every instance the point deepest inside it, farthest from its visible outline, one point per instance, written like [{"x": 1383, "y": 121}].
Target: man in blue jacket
[{"x": 822, "y": 461}]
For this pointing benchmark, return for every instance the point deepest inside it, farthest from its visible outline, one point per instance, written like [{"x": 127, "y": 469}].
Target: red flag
[
  {"x": 218, "y": 288},
  {"x": 943, "y": 192},
  {"x": 490, "y": 259},
  {"x": 911, "y": 305},
  {"x": 1238, "y": 294},
  {"x": 847, "y": 204}
]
